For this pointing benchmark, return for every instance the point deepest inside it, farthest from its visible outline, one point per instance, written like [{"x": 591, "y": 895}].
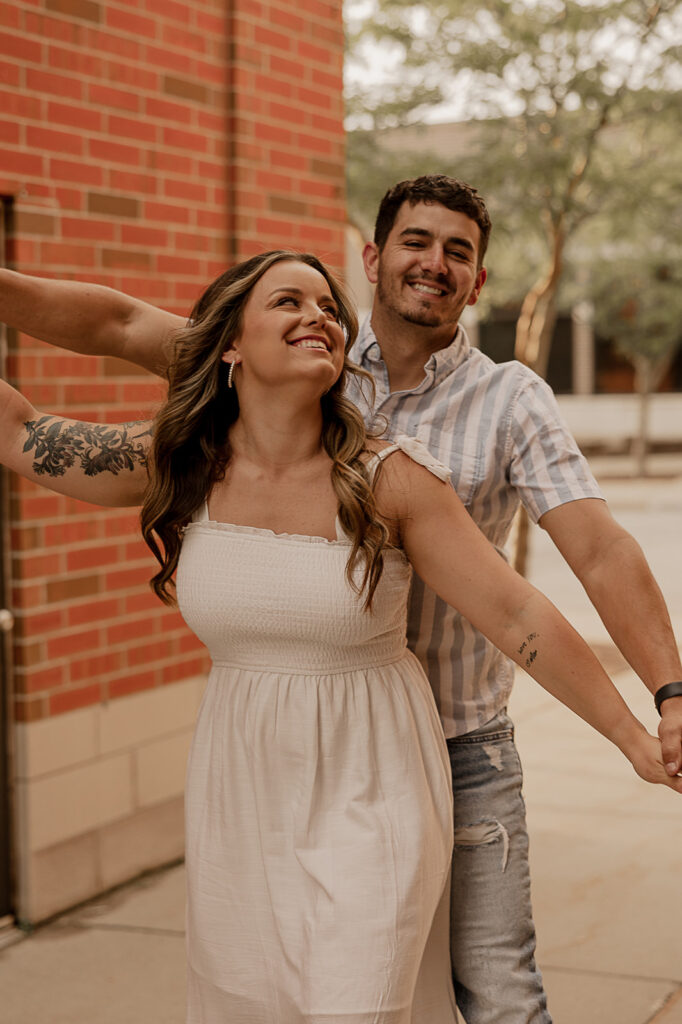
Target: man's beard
[{"x": 421, "y": 318}]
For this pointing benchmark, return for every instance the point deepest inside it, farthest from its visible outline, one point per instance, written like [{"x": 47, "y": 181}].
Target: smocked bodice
[{"x": 281, "y": 602}]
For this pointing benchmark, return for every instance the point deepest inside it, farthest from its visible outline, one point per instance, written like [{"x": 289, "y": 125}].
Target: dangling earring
[{"x": 230, "y": 374}]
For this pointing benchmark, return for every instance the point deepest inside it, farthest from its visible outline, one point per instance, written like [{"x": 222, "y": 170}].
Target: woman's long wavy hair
[{"x": 190, "y": 451}]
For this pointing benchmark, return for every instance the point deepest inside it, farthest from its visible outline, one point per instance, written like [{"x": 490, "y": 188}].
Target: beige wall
[{"x": 98, "y": 795}]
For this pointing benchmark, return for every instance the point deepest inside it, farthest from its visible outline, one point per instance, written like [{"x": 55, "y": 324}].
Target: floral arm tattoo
[{"x": 99, "y": 448}]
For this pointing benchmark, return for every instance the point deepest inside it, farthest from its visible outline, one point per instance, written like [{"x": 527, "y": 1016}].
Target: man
[{"x": 499, "y": 430}]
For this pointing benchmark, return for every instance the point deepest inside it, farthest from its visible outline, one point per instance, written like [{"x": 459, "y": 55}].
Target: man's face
[{"x": 427, "y": 272}]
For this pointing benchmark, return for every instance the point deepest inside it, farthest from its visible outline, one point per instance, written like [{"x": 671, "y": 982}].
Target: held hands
[
  {"x": 646, "y": 758},
  {"x": 670, "y": 735}
]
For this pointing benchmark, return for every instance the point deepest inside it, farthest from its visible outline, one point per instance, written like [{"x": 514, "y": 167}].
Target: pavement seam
[
  {"x": 138, "y": 929},
  {"x": 661, "y": 1013},
  {"x": 611, "y": 974}
]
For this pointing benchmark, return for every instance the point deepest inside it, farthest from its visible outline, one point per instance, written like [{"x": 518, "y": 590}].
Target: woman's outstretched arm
[
  {"x": 88, "y": 318},
  {"x": 105, "y": 464},
  {"x": 453, "y": 557}
]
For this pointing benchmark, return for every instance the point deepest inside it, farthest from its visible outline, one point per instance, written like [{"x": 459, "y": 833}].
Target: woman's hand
[{"x": 646, "y": 757}]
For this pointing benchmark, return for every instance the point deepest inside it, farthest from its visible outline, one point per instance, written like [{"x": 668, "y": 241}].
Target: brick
[
  {"x": 97, "y": 664},
  {"x": 132, "y": 24},
  {"x": 92, "y": 557},
  {"x": 178, "y": 265},
  {"x": 87, "y": 10},
  {"x": 85, "y": 227},
  {"x": 107, "y": 96},
  {"x": 92, "y": 611},
  {"x": 132, "y": 181},
  {"x": 40, "y": 624},
  {"x": 171, "y": 10},
  {"x": 19, "y": 48},
  {"x": 286, "y": 204},
  {"x": 27, "y": 222},
  {"x": 34, "y": 566},
  {"x": 80, "y": 697},
  {"x": 114, "y": 152},
  {"x": 185, "y": 88},
  {"x": 137, "y": 76},
  {"x": 73, "y": 642},
  {"x": 27, "y": 655},
  {"x": 80, "y": 172},
  {"x": 180, "y": 139},
  {"x": 132, "y": 682},
  {"x": 142, "y": 234},
  {"x": 80, "y": 117},
  {"x": 190, "y": 191},
  {"x": 132, "y": 128},
  {"x": 27, "y": 108},
  {"x": 73, "y": 587},
  {"x": 164, "y": 110},
  {"x": 166, "y": 213},
  {"x": 113, "y": 206},
  {"x": 126, "y": 259},
  {"x": 62, "y": 254},
  {"x": 40, "y": 680},
  {"x": 74, "y": 61},
  {"x": 29, "y": 709},
  {"x": 180, "y": 38},
  {"x": 9, "y": 73}
]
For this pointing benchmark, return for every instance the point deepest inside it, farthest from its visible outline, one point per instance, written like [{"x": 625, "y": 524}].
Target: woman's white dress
[{"x": 319, "y": 801}]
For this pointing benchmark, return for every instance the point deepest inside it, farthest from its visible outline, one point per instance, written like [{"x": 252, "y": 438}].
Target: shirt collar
[{"x": 438, "y": 366}]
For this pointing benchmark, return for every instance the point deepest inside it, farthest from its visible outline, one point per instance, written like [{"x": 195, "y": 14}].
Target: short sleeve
[{"x": 546, "y": 467}]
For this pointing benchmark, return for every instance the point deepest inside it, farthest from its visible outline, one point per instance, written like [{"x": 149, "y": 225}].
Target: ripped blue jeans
[{"x": 495, "y": 977}]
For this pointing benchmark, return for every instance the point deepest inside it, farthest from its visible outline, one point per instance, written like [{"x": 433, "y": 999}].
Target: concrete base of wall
[{"x": 70, "y": 872}]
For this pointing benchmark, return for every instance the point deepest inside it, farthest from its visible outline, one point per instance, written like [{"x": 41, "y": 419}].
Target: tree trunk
[
  {"x": 533, "y": 343},
  {"x": 649, "y": 373}
]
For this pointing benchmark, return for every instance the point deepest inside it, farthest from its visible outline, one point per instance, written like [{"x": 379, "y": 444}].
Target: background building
[{"x": 144, "y": 146}]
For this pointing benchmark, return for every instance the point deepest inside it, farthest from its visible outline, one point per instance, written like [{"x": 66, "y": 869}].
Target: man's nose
[{"x": 433, "y": 259}]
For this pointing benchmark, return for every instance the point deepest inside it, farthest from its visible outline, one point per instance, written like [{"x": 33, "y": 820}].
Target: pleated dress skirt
[{"x": 319, "y": 801}]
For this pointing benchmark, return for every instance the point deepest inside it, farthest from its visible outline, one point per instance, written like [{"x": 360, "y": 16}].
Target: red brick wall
[{"x": 145, "y": 143}]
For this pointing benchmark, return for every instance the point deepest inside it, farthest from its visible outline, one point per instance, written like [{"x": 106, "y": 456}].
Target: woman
[{"x": 319, "y": 826}]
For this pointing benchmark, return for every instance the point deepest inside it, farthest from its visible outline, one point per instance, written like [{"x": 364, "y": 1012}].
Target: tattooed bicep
[{"x": 59, "y": 444}]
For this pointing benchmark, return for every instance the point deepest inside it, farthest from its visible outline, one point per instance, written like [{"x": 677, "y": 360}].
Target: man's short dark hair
[{"x": 433, "y": 188}]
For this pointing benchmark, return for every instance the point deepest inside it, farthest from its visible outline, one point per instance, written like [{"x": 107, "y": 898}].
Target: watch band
[{"x": 669, "y": 690}]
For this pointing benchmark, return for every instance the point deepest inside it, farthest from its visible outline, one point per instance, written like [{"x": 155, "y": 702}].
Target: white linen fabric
[
  {"x": 498, "y": 428},
  {"x": 319, "y": 798}
]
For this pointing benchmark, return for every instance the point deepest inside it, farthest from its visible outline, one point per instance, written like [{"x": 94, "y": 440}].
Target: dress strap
[
  {"x": 200, "y": 514},
  {"x": 418, "y": 452}
]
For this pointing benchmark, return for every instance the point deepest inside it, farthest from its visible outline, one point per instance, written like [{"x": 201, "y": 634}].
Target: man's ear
[
  {"x": 370, "y": 259},
  {"x": 481, "y": 278}
]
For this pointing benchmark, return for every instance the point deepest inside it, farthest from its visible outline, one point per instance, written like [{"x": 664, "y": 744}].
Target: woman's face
[{"x": 290, "y": 331}]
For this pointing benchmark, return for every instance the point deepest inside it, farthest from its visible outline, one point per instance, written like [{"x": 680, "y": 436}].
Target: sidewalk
[{"x": 606, "y": 848}]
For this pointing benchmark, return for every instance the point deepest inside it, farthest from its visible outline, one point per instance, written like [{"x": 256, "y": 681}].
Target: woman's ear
[{"x": 231, "y": 355}]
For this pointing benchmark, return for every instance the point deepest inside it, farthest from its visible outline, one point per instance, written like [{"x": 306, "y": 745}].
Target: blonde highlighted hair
[{"x": 191, "y": 451}]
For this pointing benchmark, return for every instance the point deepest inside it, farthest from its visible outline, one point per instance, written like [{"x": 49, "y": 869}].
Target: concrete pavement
[{"x": 606, "y": 848}]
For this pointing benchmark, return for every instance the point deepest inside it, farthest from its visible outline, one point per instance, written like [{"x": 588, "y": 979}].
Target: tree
[
  {"x": 556, "y": 89},
  {"x": 545, "y": 81}
]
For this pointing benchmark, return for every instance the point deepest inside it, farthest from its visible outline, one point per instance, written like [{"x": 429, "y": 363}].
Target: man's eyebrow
[{"x": 454, "y": 240}]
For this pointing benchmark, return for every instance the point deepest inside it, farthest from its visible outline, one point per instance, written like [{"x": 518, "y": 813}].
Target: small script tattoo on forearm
[
  {"x": 98, "y": 448},
  {"x": 527, "y": 643}
]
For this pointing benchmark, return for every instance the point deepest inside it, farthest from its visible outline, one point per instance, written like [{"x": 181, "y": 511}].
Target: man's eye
[{"x": 458, "y": 254}]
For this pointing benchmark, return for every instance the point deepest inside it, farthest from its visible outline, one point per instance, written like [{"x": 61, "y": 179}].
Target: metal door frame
[{"x": 6, "y": 680}]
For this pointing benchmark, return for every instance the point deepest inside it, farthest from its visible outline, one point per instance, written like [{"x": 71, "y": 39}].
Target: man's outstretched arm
[
  {"x": 89, "y": 318},
  {"x": 611, "y": 566}
]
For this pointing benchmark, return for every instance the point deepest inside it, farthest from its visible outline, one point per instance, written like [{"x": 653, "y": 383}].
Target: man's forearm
[
  {"x": 631, "y": 606},
  {"x": 88, "y": 318}
]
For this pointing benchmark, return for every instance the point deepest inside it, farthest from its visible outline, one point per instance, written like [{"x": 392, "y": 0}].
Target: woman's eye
[{"x": 286, "y": 299}]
